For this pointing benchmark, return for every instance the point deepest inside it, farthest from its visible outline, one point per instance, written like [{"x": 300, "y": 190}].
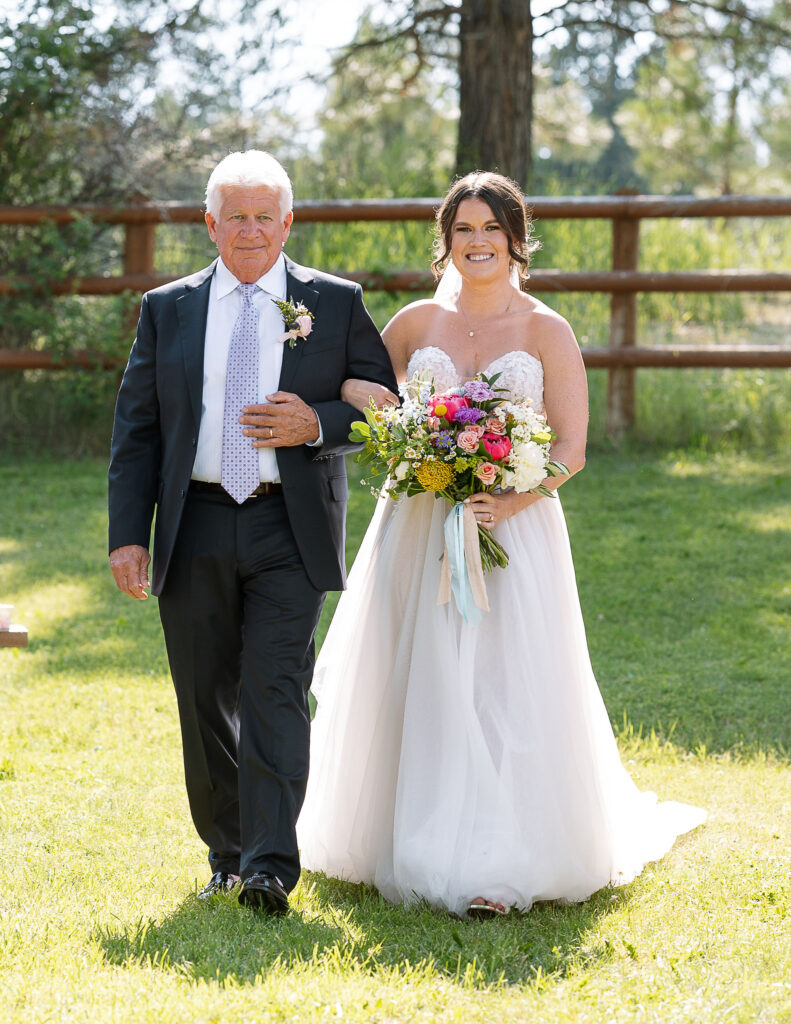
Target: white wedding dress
[{"x": 451, "y": 761}]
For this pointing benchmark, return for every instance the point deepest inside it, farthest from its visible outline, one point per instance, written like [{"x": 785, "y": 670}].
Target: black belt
[{"x": 204, "y": 487}]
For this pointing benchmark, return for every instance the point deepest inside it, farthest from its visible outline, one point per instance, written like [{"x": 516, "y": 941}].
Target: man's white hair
[{"x": 249, "y": 170}]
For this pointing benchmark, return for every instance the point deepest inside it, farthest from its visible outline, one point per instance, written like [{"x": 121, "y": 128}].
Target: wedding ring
[
  {"x": 491, "y": 518},
  {"x": 271, "y": 432}
]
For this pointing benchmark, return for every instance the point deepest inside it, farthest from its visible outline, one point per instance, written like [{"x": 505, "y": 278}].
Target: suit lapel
[
  {"x": 299, "y": 287},
  {"x": 192, "y": 309}
]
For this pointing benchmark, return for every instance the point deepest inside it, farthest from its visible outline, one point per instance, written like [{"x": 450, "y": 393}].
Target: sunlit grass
[{"x": 683, "y": 564}]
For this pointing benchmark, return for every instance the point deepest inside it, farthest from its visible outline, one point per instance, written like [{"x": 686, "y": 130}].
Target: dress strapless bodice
[{"x": 521, "y": 374}]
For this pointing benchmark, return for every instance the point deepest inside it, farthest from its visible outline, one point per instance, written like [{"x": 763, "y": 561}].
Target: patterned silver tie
[{"x": 240, "y": 475}]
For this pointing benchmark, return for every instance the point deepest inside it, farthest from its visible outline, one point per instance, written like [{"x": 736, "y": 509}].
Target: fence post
[
  {"x": 139, "y": 245},
  {"x": 623, "y": 327}
]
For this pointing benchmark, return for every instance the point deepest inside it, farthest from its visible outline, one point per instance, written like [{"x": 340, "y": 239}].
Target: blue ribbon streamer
[{"x": 459, "y": 579}]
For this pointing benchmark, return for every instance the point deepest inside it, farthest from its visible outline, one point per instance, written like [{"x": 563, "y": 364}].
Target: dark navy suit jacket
[{"x": 157, "y": 417}]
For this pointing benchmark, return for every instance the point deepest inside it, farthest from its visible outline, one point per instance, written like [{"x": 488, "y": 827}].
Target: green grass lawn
[{"x": 684, "y": 567}]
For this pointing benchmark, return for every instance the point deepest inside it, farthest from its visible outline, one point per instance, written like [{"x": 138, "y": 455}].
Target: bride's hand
[
  {"x": 360, "y": 392},
  {"x": 491, "y": 509}
]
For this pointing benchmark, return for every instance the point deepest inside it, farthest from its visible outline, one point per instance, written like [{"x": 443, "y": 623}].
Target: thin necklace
[{"x": 470, "y": 331}]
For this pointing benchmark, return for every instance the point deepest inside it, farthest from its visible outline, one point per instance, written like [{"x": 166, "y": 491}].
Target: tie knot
[{"x": 248, "y": 291}]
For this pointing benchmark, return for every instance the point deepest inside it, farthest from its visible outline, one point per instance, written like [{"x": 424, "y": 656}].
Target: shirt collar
[{"x": 273, "y": 282}]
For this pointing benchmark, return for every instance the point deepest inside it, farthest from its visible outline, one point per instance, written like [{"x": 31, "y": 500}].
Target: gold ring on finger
[{"x": 271, "y": 432}]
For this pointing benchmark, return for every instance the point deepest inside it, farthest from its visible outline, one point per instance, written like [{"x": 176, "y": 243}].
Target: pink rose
[
  {"x": 468, "y": 440},
  {"x": 493, "y": 425},
  {"x": 304, "y": 325},
  {"x": 497, "y": 447},
  {"x": 486, "y": 473},
  {"x": 433, "y": 423},
  {"x": 447, "y": 406}
]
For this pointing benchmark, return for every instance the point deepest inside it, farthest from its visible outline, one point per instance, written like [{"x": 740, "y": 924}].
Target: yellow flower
[{"x": 435, "y": 476}]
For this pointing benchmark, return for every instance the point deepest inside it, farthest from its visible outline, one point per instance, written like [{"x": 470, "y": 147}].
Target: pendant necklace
[{"x": 470, "y": 331}]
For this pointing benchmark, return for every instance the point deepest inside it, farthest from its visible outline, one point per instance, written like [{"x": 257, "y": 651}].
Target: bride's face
[{"x": 479, "y": 245}]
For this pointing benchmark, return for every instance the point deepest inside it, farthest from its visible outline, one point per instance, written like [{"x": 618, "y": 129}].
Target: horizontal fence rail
[
  {"x": 623, "y": 282},
  {"x": 339, "y": 211},
  {"x": 654, "y": 357},
  {"x": 615, "y": 282}
]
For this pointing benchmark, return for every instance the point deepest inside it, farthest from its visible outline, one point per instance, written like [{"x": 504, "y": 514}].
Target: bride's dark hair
[{"x": 504, "y": 198}]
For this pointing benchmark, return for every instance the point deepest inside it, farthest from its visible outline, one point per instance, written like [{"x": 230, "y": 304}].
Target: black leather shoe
[
  {"x": 220, "y": 882},
  {"x": 263, "y": 891}
]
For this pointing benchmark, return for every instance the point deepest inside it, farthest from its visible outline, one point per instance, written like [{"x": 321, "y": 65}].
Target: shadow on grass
[{"x": 348, "y": 928}]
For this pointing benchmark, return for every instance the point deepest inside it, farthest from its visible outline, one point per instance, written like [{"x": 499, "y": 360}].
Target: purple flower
[
  {"x": 443, "y": 440},
  {"x": 468, "y": 415},
  {"x": 478, "y": 391}
]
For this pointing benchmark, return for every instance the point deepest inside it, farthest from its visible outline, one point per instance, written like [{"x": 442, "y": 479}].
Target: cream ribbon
[{"x": 470, "y": 571}]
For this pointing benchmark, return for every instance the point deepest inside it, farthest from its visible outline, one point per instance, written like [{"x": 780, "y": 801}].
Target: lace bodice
[{"x": 520, "y": 373}]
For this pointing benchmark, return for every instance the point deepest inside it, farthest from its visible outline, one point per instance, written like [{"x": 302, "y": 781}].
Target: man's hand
[
  {"x": 130, "y": 569},
  {"x": 286, "y": 421}
]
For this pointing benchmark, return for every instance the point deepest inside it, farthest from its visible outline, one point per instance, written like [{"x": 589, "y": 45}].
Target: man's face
[{"x": 249, "y": 231}]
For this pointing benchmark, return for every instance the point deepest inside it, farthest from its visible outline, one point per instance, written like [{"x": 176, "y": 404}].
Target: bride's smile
[{"x": 479, "y": 242}]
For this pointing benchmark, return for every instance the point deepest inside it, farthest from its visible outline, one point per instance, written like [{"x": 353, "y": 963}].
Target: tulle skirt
[{"x": 451, "y": 761}]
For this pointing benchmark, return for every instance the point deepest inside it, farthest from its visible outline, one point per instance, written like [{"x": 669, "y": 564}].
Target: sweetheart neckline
[{"x": 514, "y": 351}]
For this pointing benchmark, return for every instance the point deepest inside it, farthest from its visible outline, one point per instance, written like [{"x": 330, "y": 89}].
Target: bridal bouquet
[{"x": 457, "y": 443}]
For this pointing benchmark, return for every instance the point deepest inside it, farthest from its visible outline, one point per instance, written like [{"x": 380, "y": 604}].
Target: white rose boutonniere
[{"x": 297, "y": 319}]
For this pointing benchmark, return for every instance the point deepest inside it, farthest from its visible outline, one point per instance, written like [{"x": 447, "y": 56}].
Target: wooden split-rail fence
[{"x": 623, "y": 281}]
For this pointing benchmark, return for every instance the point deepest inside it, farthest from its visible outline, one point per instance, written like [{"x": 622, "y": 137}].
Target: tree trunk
[{"x": 496, "y": 88}]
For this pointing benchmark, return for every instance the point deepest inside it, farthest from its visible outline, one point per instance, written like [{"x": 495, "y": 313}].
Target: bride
[{"x": 475, "y": 766}]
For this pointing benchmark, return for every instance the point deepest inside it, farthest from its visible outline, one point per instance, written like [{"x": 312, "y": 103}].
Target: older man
[{"x": 236, "y": 436}]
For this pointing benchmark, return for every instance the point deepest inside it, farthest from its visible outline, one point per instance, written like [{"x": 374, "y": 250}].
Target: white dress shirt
[{"x": 225, "y": 303}]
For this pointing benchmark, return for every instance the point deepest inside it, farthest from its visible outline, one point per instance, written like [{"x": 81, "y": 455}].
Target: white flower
[
  {"x": 528, "y": 461},
  {"x": 415, "y": 391},
  {"x": 413, "y": 410},
  {"x": 401, "y": 470},
  {"x": 526, "y": 417}
]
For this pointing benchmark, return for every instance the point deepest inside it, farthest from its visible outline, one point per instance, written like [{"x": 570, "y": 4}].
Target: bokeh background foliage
[{"x": 98, "y": 110}]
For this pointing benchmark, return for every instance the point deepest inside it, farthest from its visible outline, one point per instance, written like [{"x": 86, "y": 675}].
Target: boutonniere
[{"x": 298, "y": 320}]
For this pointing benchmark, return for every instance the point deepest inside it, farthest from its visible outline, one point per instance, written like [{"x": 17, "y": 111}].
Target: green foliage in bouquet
[{"x": 465, "y": 441}]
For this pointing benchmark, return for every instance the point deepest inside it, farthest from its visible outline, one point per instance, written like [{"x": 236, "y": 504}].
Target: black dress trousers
[{"x": 239, "y": 614}]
